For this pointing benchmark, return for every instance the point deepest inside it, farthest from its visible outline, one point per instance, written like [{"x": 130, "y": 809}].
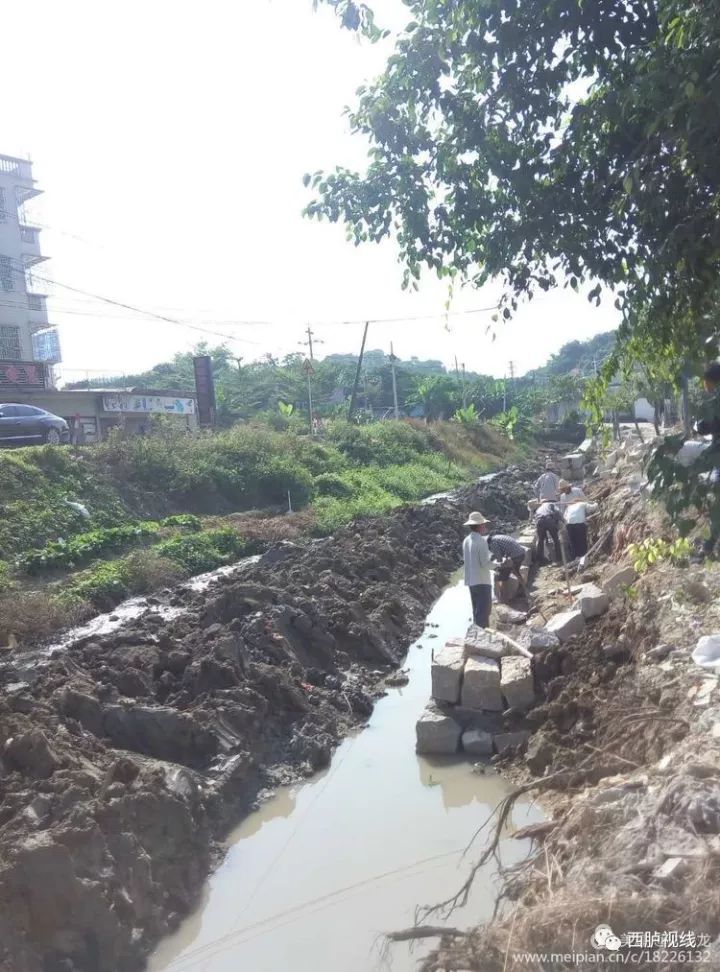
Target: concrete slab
[
  {"x": 508, "y": 617},
  {"x": 566, "y": 624},
  {"x": 508, "y": 740},
  {"x": 437, "y": 733},
  {"x": 619, "y": 579},
  {"x": 517, "y": 683},
  {"x": 481, "y": 684},
  {"x": 537, "y": 639},
  {"x": 446, "y": 672},
  {"x": 592, "y": 601},
  {"x": 475, "y": 742},
  {"x": 483, "y": 641}
]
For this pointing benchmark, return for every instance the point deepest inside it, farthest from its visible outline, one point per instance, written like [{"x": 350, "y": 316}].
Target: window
[
  {"x": 10, "y": 349},
  {"x": 6, "y": 273},
  {"x": 29, "y": 410},
  {"x": 3, "y": 208},
  {"x": 8, "y": 411}
]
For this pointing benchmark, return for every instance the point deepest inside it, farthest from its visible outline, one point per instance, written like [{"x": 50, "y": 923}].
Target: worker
[
  {"x": 547, "y": 521},
  {"x": 569, "y": 493},
  {"x": 575, "y": 515},
  {"x": 546, "y": 488},
  {"x": 709, "y": 424},
  {"x": 509, "y": 554},
  {"x": 476, "y": 557}
]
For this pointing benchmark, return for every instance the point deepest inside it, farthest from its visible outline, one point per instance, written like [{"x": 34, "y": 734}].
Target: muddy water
[{"x": 312, "y": 880}]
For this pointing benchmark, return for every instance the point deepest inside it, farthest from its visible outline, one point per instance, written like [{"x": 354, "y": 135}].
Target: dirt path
[{"x": 126, "y": 756}]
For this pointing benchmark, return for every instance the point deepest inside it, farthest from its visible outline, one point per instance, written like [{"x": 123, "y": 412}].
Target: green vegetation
[
  {"x": 205, "y": 551},
  {"x": 532, "y": 144},
  {"x": 106, "y": 584},
  {"x": 652, "y": 551},
  {"x": 153, "y": 493},
  {"x": 85, "y": 547}
]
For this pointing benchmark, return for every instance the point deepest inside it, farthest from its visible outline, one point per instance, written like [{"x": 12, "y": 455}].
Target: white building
[{"x": 25, "y": 334}]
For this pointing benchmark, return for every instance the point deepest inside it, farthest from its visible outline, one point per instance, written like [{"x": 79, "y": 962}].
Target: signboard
[
  {"x": 22, "y": 374},
  {"x": 148, "y": 404},
  {"x": 205, "y": 389},
  {"x": 46, "y": 346}
]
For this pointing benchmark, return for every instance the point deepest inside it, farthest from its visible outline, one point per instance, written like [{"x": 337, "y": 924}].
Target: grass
[{"x": 185, "y": 501}]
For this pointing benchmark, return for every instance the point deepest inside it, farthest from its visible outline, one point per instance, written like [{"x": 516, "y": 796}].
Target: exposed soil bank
[
  {"x": 126, "y": 755},
  {"x": 626, "y": 754}
]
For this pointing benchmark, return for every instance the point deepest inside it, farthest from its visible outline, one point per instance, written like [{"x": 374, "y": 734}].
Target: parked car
[{"x": 29, "y": 425}]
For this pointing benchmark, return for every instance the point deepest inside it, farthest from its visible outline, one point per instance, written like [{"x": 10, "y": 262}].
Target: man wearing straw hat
[{"x": 476, "y": 557}]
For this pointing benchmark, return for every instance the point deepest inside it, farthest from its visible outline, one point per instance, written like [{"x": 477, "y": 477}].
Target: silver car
[{"x": 29, "y": 425}]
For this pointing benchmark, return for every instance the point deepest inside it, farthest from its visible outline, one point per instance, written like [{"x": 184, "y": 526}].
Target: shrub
[
  {"x": 84, "y": 547},
  {"x": 37, "y": 614},
  {"x": 331, "y": 484},
  {"x": 205, "y": 551},
  {"x": 186, "y": 521},
  {"x": 109, "y": 583}
]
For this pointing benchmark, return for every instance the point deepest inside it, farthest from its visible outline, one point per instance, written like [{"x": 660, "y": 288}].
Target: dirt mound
[{"x": 126, "y": 756}]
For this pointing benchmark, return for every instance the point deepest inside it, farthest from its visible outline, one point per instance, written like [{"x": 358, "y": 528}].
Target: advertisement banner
[{"x": 146, "y": 404}]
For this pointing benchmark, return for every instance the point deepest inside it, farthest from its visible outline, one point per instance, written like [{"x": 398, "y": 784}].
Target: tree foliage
[
  {"x": 354, "y": 16},
  {"x": 544, "y": 142}
]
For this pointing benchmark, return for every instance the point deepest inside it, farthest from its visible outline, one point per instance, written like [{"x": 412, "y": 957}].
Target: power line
[{"x": 138, "y": 310}]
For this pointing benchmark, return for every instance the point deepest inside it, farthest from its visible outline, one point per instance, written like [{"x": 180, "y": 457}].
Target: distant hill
[{"x": 577, "y": 357}]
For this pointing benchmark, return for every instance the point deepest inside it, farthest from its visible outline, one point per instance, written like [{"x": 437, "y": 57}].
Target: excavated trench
[
  {"x": 130, "y": 750},
  {"x": 348, "y": 856}
]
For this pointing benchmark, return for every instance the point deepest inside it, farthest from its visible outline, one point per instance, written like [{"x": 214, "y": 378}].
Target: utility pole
[
  {"x": 353, "y": 397},
  {"x": 505, "y": 394},
  {"x": 310, "y": 371},
  {"x": 309, "y": 343},
  {"x": 461, "y": 381},
  {"x": 393, "y": 359}
]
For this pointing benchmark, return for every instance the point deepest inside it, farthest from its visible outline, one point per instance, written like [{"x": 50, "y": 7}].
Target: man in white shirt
[
  {"x": 476, "y": 558},
  {"x": 547, "y": 486},
  {"x": 575, "y": 516},
  {"x": 569, "y": 493}
]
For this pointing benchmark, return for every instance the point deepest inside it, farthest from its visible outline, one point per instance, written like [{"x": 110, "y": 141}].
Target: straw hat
[
  {"x": 563, "y": 484},
  {"x": 475, "y": 519}
]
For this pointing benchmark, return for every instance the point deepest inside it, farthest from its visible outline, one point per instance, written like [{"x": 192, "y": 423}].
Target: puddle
[{"x": 312, "y": 880}]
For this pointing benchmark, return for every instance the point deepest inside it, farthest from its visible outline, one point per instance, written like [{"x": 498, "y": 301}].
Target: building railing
[{"x": 16, "y": 167}]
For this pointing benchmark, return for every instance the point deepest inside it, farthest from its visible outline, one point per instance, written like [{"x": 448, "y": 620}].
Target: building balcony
[
  {"x": 37, "y": 302},
  {"x": 31, "y": 259},
  {"x": 18, "y": 168},
  {"x": 37, "y": 316},
  {"x": 30, "y": 234}
]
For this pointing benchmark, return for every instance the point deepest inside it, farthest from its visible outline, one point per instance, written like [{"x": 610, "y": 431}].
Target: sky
[{"x": 170, "y": 139}]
